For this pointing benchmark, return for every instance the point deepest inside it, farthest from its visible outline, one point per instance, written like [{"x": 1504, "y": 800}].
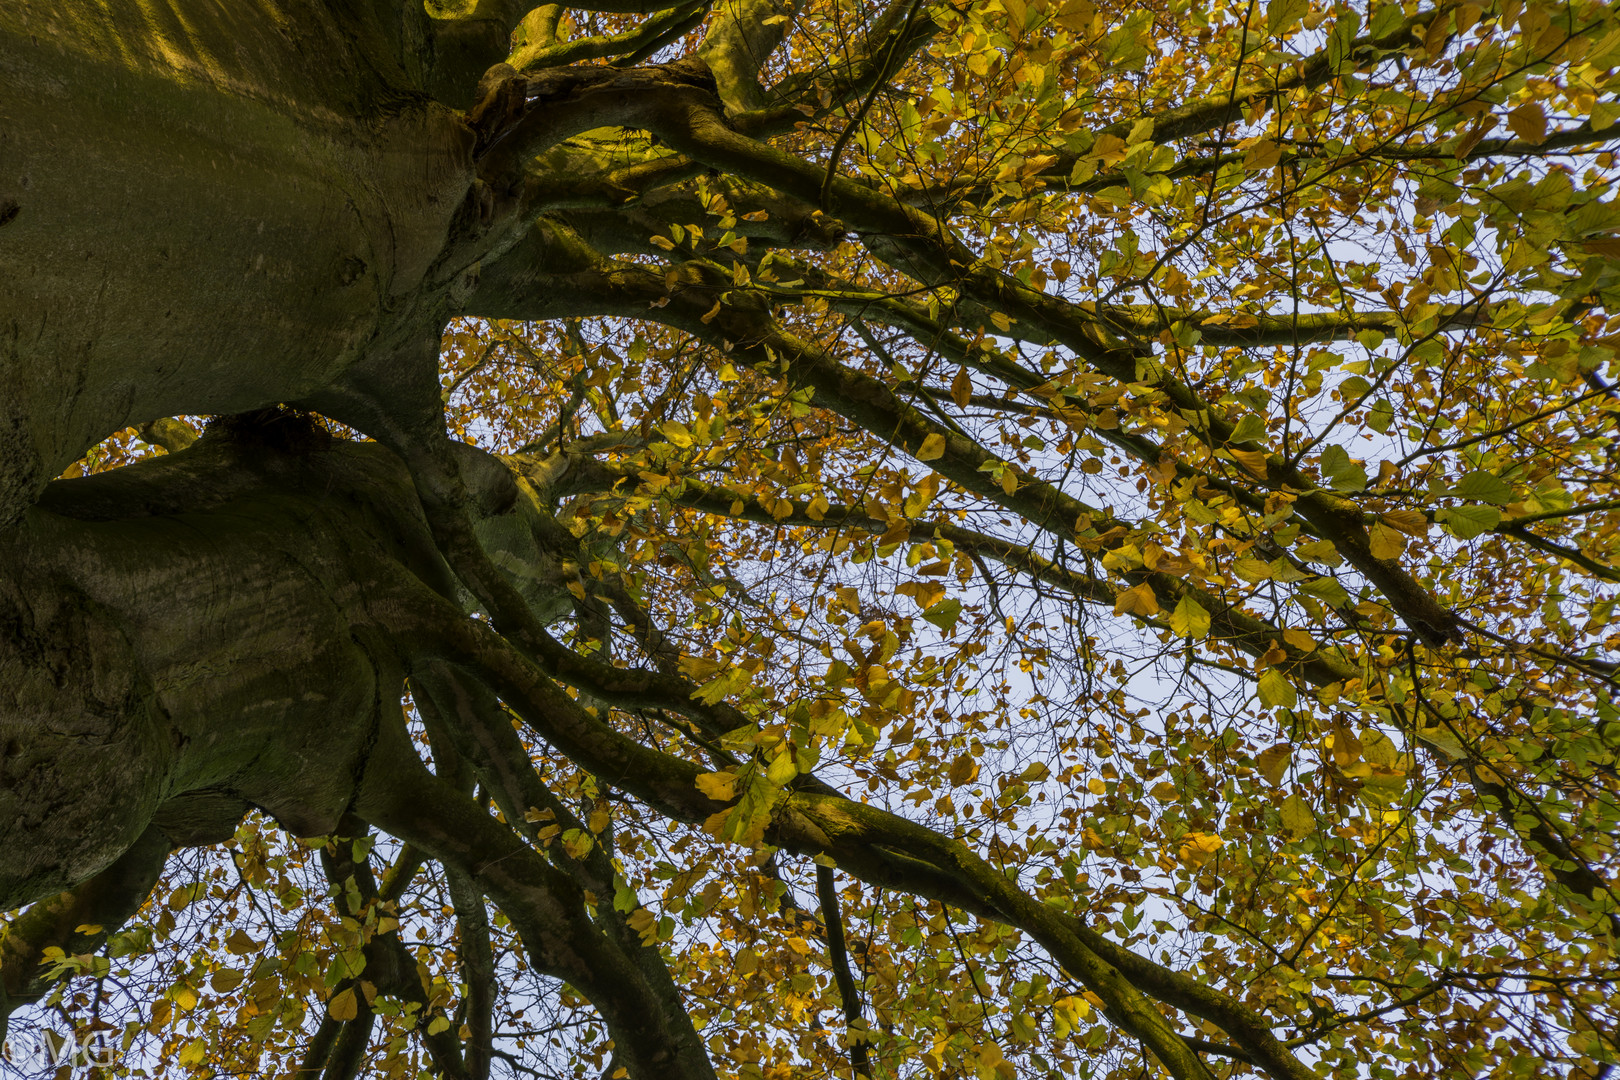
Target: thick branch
[
  {"x": 738, "y": 45},
  {"x": 865, "y": 839},
  {"x": 544, "y": 905},
  {"x": 627, "y": 47},
  {"x": 477, "y": 958}
]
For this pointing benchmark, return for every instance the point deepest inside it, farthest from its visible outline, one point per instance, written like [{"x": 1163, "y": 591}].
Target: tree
[{"x": 760, "y": 539}]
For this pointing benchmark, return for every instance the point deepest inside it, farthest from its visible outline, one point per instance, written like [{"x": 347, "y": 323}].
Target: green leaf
[
  {"x": 1385, "y": 20},
  {"x": 1467, "y": 522},
  {"x": 1326, "y": 589},
  {"x": 1340, "y": 40},
  {"x": 1250, "y": 429},
  {"x": 1481, "y": 486},
  {"x": 1381, "y": 415},
  {"x": 1282, "y": 15},
  {"x": 1127, "y": 47},
  {"x": 945, "y": 613},
  {"x": 1342, "y": 473}
]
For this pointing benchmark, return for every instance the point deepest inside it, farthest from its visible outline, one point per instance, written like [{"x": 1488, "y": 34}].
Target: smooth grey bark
[
  {"x": 191, "y": 626},
  {"x": 210, "y": 208}
]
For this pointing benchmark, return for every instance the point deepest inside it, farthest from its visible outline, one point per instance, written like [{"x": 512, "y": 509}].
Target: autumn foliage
[{"x": 1113, "y": 511}]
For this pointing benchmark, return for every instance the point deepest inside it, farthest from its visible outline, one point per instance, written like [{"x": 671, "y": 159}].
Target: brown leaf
[
  {"x": 1346, "y": 747},
  {"x": 1273, "y": 762},
  {"x": 963, "y": 770},
  {"x": 961, "y": 388},
  {"x": 1410, "y": 522}
]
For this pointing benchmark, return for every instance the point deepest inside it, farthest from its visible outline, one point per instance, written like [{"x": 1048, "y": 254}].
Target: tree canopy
[{"x": 753, "y": 538}]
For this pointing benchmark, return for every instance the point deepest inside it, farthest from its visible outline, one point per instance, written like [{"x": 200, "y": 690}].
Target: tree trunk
[{"x": 219, "y": 207}]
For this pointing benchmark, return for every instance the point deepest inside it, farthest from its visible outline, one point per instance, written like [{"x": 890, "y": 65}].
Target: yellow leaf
[
  {"x": 1379, "y": 748},
  {"x": 577, "y": 843},
  {"x": 1297, "y": 817},
  {"x": 1067, "y": 1012},
  {"x": 1346, "y": 747},
  {"x": 193, "y": 1053},
  {"x": 1385, "y": 542},
  {"x": 782, "y": 770},
  {"x": 344, "y": 1006},
  {"x": 1529, "y": 122},
  {"x": 963, "y": 770},
  {"x": 719, "y": 786},
  {"x": 1298, "y": 639},
  {"x": 932, "y": 448},
  {"x": 1444, "y": 740},
  {"x": 1189, "y": 619},
  {"x": 1251, "y": 569},
  {"x": 1262, "y": 155},
  {"x": 185, "y": 997},
  {"x": 676, "y": 432},
  {"x": 1077, "y": 16},
  {"x": 653, "y": 482},
  {"x": 1276, "y": 691},
  {"x": 1137, "y": 601},
  {"x": 644, "y": 923},
  {"x": 1197, "y": 848},
  {"x": 1252, "y": 460},
  {"x": 699, "y": 667},
  {"x": 715, "y": 823},
  {"x": 924, "y": 593},
  {"x": 1001, "y": 321}
]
